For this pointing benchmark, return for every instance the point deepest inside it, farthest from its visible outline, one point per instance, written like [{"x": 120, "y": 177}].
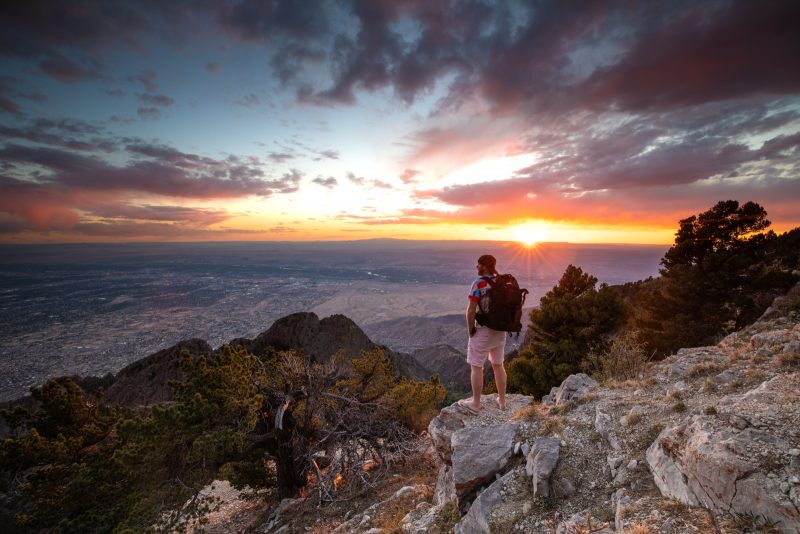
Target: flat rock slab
[
  {"x": 479, "y": 453},
  {"x": 454, "y": 417}
]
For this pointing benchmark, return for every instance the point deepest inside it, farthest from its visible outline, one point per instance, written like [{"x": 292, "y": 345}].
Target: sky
[{"x": 215, "y": 120}]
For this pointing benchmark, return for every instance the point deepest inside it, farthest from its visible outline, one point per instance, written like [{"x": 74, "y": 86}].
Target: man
[{"x": 483, "y": 341}]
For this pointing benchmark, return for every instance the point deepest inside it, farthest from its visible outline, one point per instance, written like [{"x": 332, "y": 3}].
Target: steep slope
[
  {"x": 707, "y": 440},
  {"x": 146, "y": 381},
  {"x": 449, "y": 363}
]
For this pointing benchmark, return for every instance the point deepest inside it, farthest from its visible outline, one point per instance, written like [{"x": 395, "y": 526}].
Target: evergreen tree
[{"x": 574, "y": 317}]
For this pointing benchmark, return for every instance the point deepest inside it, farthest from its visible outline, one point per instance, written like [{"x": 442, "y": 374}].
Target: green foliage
[
  {"x": 573, "y": 318},
  {"x": 720, "y": 275},
  {"x": 77, "y": 465}
]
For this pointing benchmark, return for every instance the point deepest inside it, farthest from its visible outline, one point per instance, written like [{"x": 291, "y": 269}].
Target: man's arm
[{"x": 471, "y": 310}]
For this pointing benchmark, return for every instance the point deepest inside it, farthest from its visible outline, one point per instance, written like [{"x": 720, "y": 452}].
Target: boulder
[
  {"x": 478, "y": 454},
  {"x": 441, "y": 429},
  {"x": 706, "y": 462},
  {"x": 478, "y": 519},
  {"x": 572, "y": 388},
  {"x": 541, "y": 462}
]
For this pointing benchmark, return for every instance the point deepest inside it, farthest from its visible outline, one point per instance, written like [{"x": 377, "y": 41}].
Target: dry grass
[
  {"x": 637, "y": 528},
  {"x": 675, "y": 394},
  {"x": 631, "y": 418},
  {"x": 788, "y": 359},
  {"x": 528, "y": 414},
  {"x": 552, "y": 425},
  {"x": 679, "y": 407},
  {"x": 709, "y": 386},
  {"x": 710, "y": 410},
  {"x": 703, "y": 369},
  {"x": 563, "y": 408}
]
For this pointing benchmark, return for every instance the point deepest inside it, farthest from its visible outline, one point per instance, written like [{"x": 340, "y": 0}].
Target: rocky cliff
[{"x": 707, "y": 440}]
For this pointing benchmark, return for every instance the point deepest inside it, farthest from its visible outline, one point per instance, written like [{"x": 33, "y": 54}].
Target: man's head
[{"x": 486, "y": 265}]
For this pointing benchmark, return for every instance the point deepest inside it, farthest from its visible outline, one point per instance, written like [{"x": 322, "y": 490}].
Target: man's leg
[
  {"x": 500, "y": 381},
  {"x": 476, "y": 379}
]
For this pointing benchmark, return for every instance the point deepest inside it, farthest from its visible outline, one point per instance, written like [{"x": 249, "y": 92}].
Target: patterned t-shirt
[{"x": 479, "y": 292}]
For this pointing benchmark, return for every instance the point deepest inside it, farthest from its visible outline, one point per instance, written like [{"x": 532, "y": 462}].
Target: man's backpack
[{"x": 504, "y": 311}]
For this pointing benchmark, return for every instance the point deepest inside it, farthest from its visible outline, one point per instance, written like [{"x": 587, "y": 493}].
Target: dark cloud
[
  {"x": 213, "y": 67},
  {"x": 149, "y": 113},
  {"x": 66, "y": 133},
  {"x": 164, "y": 171},
  {"x": 8, "y": 106},
  {"x": 152, "y": 230},
  {"x": 179, "y": 214},
  {"x": 68, "y": 70},
  {"x": 156, "y": 100},
  {"x": 263, "y": 20},
  {"x": 326, "y": 181}
]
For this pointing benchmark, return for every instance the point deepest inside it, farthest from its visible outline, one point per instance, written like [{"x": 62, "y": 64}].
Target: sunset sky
[{"x": 310, "y": 120}]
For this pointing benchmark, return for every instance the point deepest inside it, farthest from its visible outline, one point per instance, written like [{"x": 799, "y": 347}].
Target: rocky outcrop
[
  {"x": 541, "y": 462},
  {"x": 478, "y": 454},
  {"x": 574, "y": 387},
  {"x": 716, "y": 428},
  {"x": 738, "y": 460},
  {"x": 478, "y": 519},
  {"x": 321, "y": 339}
]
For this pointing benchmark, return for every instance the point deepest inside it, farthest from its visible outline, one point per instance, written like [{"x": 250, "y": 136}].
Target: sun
[{"x": 529, "y": 234}]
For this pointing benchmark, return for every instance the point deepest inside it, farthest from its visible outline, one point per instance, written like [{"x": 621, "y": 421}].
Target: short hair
[{"x": 487, "y": 260}]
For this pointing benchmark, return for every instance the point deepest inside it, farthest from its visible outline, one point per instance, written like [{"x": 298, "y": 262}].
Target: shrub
[{"x": 625, "y": 359}]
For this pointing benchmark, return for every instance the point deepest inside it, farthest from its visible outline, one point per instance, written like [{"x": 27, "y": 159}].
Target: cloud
[
  {"x": 147, "y": 78},
  {"x": 149, "y": 113},
  {"x": 162, "y": 171},
  {"x": 358, "y": 180},
  {"x": 66, "y": 133},
  {"x": 10, "y": 89},
  {"x": 153, "y": 230},
  {"x": 8, "y": 106},
  {"x": 213, "y": 67},
  {"x": 328, "y": 154},
  {"x": 408, "y": 176},
  {"x": 49, "y": 189},
  {"x": 326, "y": 181},
  {"x": 280, "y": 157},
  {"x": 67, "y": 70},
  {"x": 248, "y": 101},
  {"x": 115, "y": 92},
  {"x": 156, "y": 100},
  {"x": 178, "y": 214}
]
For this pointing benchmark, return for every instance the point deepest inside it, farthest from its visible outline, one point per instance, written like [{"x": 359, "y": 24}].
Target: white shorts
[{"x": 486, "y": 342}]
